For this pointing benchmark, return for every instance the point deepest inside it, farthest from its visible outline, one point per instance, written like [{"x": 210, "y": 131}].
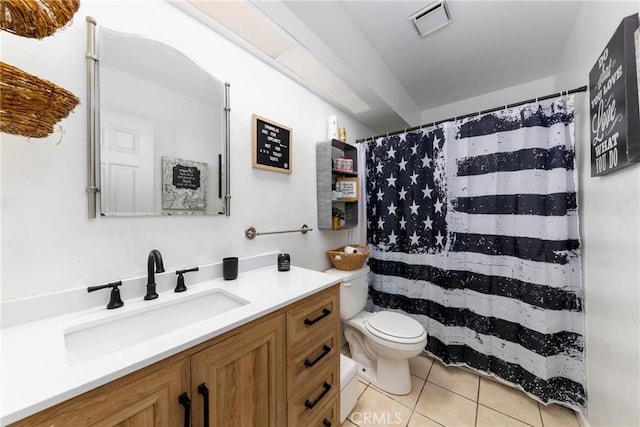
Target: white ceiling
[{"x": 374, "y": 48}]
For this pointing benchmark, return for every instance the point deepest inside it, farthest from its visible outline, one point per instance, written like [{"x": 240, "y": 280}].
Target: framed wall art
[
  {"x": 348, "y": 187},
  {"x": 184, "y": 184},
  {"x": 613, "y": 91}
]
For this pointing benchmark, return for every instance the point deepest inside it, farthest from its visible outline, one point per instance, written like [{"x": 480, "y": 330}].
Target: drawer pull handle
[
  {"x": 310, "y": 405},
  {"x": 325, "y": 313},
  {"x": 184, "y": 400},
  {"x": 325, "y": 350},
  {"x": 326, "y": 423},
  {"x": 204, "y": 391}
]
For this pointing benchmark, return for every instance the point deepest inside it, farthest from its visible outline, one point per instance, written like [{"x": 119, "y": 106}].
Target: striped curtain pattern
[{"x": 474, "y": 233}]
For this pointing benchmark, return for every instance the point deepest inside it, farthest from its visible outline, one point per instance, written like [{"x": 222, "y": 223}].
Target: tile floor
[{"x": 452, "y": 397}]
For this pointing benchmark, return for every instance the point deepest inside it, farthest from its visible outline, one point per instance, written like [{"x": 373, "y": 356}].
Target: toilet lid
[{"x": 394, "y": 325}]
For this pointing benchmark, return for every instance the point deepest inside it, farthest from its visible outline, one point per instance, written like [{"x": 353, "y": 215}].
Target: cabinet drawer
[
  {"x": 313, "y": 317},
  {"x": 329, "y": 415},
  {"x": 310, "y": 401},
  {"x": 304, "y": 365}
]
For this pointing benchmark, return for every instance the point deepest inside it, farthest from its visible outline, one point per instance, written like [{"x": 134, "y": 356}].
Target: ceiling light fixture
[
  {"x": 431, "y": 18},
  {"x": 244, "y": 24},
  {"x": 245, "y": 21}
]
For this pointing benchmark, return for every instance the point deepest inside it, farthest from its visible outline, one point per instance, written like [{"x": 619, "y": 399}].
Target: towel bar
[{"x": 251, "y": 233}]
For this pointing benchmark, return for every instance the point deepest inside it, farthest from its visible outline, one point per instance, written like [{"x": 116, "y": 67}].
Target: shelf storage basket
[
  {"x": 31, "y": 106},
  {"x": 344, "y": 261},
  {"x": 36, "y": 19}
]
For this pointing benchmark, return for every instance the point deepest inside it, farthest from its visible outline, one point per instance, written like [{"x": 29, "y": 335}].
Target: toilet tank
[{"x": 353, "y": 290}]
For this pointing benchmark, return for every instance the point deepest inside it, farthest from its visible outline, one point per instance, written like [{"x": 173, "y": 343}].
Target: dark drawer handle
[
  {"x": 325, "y": 313},
  {"x": 326, "y": 423},
  {"x": 184, "y": 400},
  {"x": 310, "y": 405},
  {"x": 204, "y": 391},
  {"x": 325, "y": 350}
]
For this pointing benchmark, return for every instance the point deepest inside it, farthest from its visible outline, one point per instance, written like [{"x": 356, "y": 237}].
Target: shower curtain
[{"x": 473, "y": 231}]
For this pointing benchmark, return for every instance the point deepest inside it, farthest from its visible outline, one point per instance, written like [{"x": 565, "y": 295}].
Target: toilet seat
[{"x": 395, "y": 327}]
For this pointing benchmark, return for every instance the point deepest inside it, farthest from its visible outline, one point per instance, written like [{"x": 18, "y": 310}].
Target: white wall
[
  {"x": 49, "y": 244},
  {"x": 610, "y": 230},
  {"x": 509, "y": 95}
]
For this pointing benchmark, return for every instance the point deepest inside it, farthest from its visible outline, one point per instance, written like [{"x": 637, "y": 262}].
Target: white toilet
[{"x": 381, "y": 343}]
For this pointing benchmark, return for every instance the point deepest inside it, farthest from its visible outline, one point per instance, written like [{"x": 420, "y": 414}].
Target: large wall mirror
[{"x": 160, "y": 129}]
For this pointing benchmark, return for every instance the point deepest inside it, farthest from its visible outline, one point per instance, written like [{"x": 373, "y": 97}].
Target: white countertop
[{"x": 37, "y": 372}]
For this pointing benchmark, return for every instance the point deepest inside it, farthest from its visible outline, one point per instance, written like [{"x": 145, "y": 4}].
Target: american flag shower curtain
[{"x": 474, "y": 233}]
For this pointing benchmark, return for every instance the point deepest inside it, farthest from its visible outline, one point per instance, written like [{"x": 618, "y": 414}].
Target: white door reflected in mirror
[{"x": 126, "y": 158}]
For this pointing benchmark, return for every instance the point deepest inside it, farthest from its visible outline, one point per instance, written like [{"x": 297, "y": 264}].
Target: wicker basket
[
  {"x": 36, "y": 19},
  {"x": 31, "y": 106},
  {"x": 344, "y": 261}
]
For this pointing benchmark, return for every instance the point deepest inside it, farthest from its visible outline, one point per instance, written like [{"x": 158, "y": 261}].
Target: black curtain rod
[{"x": 491, "y": 110}]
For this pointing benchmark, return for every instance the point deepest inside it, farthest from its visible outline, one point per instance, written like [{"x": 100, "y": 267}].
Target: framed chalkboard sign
[
  {"x": 271, "y": 145},
  {"x": 613, "y": 92}
]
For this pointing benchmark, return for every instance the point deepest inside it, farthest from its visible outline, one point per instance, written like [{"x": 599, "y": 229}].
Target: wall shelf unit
[{"x": 331, "y": 174}]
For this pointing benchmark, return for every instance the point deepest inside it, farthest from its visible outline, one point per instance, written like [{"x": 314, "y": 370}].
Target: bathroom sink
[{"x": 90, "y": 340}]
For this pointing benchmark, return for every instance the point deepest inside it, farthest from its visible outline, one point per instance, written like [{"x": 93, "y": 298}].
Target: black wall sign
[
  {"x": 271, "y": 145},
  {"x": 186, "y": 177},
  {"x": 613, "y": 91}
]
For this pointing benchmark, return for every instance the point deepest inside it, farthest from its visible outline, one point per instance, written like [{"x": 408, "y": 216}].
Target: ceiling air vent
[{"x": 431, "y": 18}]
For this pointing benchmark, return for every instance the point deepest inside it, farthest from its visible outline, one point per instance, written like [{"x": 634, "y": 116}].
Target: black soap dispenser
[{"x": 284, "y": 262}]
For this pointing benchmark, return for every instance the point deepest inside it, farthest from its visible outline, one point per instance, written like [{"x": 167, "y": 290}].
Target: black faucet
[
  {"x": 180, "y": 286},
  {"x": 116, "y": 300},
  {"x": 154, "y": 265}
]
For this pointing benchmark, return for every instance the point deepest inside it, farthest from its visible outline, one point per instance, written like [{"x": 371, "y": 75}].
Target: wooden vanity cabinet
[
  {"x": 146, "y": 398},
  {"x": 243, "y": 376},
  {"x": 313, "y": 360},
  {"x": 255, "y": 375}
]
